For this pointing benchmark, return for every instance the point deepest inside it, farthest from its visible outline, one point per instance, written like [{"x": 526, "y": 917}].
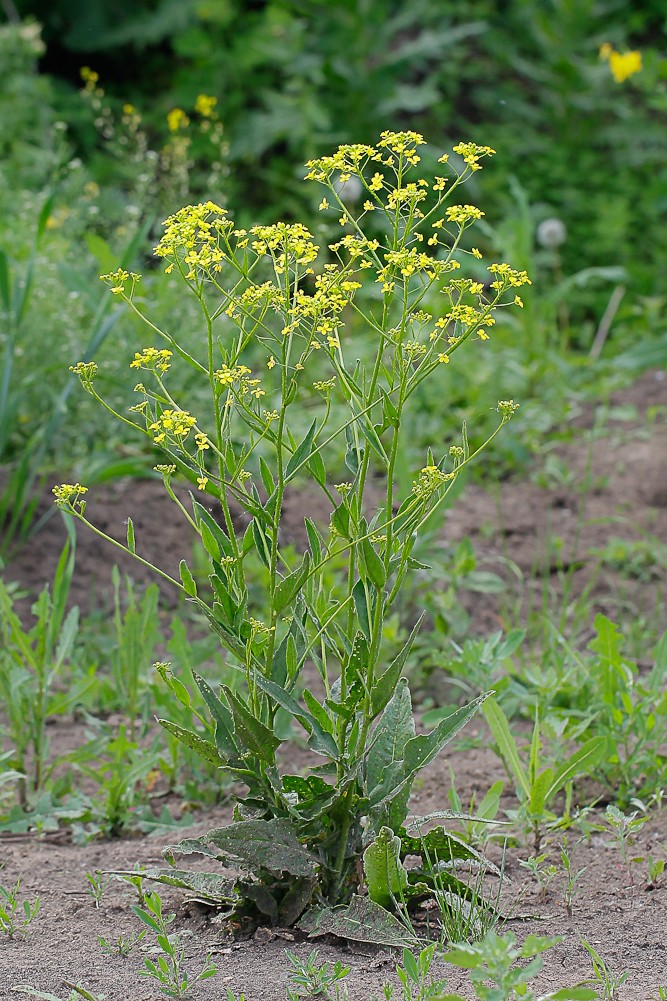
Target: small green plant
[
  {"x": 538, "y": 785},
  {"x": 97, "y": 885},
  {"x": 477, "y": 822},
  {"x": 168, "y": 971},
  {"x": 572, "y": 876},
  {"x": 309, "y": 978},
  {"x": 494, "y": 959},
  {"x": 123, "y": 946},
  {"x": 654, "y": 871},
  {"x": 604, "y": 978},
  {"x": 298, "y": 842},
  {"x": 623, "y": 828},
  {"x": 16, "y": 918},
  {"x": 417, "y": 981},
  {"x": 542, "y": 871},
  {"x": 31, "y": 663}
]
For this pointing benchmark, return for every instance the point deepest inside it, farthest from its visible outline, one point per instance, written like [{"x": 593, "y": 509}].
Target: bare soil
[{"x": 610, "y": 483}]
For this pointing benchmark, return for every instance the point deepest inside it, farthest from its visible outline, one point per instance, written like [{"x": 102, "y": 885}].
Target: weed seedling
[
  {"x": 572, "y": 876},
  {"x": 97, "y": 885},
  {"x": 604, "y": 978},
  {"x": 315, "y": 980},
  {"x": 654, "y": 871},
  {"x": 623, "y": 828},
  {"x": 124, "y": 944},
  {"x": 15, "y": 920},
  {"x": 173, "y": 979},
  {"x": 542, "y": 871},
  {"x": 417, "y": 981},
  {"x": 495, "y": 975}
]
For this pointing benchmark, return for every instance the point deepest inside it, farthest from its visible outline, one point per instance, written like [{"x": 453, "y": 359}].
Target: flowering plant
[{"x": 315, "y": 652}]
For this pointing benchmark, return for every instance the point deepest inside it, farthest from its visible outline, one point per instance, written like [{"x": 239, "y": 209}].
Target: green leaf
[
  {"x": 301, "y": 453},
  {"x": 421, "y": 750},
  {"x": 362, "y": 920},
  {"x": 370, "y": 561},
  {"x": 583, "y": 761},
  {"x": 289, "y": 586},
  {"x": 130, "y": 536},
  {"x": 502, "y": 735},
  {"x": 340, "y": 520},
  {"x": 539, "y": 792},
  {"x": 265, "y": 844},
  {"x": 267, "y": 477},
  {"x": 187, "y": 580},
  {"x": 262, "y": 542},
  {"x": 5, "y": 283},
  {"x": 361, "y": 604},
  {"x": 209, "y": 541},
  {"x": 254, "y": 735},
  {"x": 317, "y": 468},
  {"x": 385, "y": 685},
  {"x": 314, "y": 540},
  {"x": 371, "y": 437},
  {"x": 204, "y": 517},
  {"x": 384, "y": 770},
  {"x": 206, "y": 887},
  {"x": 224, "y": 724},
  {"x": 204, "y": 748},
  {"x": 385, "y": 875},
  {"x": 570, "y": 994},
  {"x": 319, "y": 741}
]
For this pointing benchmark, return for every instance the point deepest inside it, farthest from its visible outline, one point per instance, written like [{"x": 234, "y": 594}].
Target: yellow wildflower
[
  {"x": 204, "y": 105},
  {"x": 177, "y": 119}
]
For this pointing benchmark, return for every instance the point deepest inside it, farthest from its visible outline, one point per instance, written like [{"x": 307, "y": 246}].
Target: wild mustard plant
[{"x": 299, "y": 840}]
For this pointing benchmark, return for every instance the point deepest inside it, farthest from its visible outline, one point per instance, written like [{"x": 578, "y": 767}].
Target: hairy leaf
[{"x": 385, "y": 875}]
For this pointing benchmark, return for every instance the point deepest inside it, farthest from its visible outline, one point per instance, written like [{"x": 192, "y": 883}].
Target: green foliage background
[{"x": 296, "y": 77}]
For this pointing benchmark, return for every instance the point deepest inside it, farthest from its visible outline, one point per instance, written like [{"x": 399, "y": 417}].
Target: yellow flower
[
  {"x": 68, "y": 495},
  {"x": 152, "y": 359},
  {"x": 201, "y": 482},
  {"x": 623, "y": 65},
  {"x": 177, "y": 119},
  {"x": 204, "y": 105}
]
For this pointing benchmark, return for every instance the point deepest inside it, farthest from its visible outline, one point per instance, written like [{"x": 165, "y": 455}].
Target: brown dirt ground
[{"x": 613, "y": 483}]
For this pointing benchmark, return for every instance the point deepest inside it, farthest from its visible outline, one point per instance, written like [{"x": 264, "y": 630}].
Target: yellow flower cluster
[
  {"x": 507, "y": 408},
  {"x": 177, "y": 119},
  {"x": 430, "y": 479},
  {"x": 507, "y": 276},
  {"x": 118, "y": 280},
  {"x": 621, "y": 64},
  {"x": 461, "y": 214},
  {"x": 86, "y": 371},
  {"x": 226, "y": 376},
  {"x": 174, "y": 425},
  {"x": 471, "y": 153},
  {"x": 288, "y": 244},
  {"x": 205, "y": 105},
  {"x": 152, "y": 359},
  {"x": 68, "y": 495},
  {"x": 347, "y": 160},
  {"x": 193, "y": 235}
]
